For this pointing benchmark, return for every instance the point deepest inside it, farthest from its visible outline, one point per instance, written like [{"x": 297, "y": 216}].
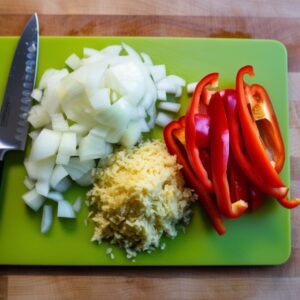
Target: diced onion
[
  {"x": 40, "y": 170},
  {"x": 158, "y": 72},
  {"x": 65, "y": 210},
  {"x": 191, "y": 87},
  {"x": 147, "y": 59},
  {"x": 132, "y": 134},
  {"x": 77, "y": 205},
  {"x": 59, "y": 123},
  {"x": 77, "y": 168},
  {"x": 100, "y": 99},
  {"x": 28, "y": 182},
  {"x": 161, "y": 95},
  {"x": 58, "y": 174},
  {"x": 33, "y": 199},
  {"x": 163, "y": 119},
  {"x": 47, "y": 218},
  {"x": 73, "y": 61},
  {"x": 55, "y": 196},
  {"x": 169, "y": 106},
  {"x": 109, "y": 97},
  {"x": 63, "y": 185},
  {"x": 42, "y": 187},
  {"x": 37, "y": 95},
  {"x": 45, "y": 145},
  {"x": 38, "y": 116},
  {"x": 87, "y": 52}
]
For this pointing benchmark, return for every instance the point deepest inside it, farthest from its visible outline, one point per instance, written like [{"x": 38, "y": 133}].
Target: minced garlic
[{"x": 138, "y": 195}]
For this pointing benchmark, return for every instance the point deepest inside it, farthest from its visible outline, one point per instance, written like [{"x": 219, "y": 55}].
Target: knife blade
[{"x": 17, "y": 97}]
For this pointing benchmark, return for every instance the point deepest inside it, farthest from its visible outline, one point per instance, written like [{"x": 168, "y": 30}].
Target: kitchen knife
[{"x": 17, "y": 97}]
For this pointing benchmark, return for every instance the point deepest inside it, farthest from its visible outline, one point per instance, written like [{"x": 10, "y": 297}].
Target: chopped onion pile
[{"x": 105, "y": 98}]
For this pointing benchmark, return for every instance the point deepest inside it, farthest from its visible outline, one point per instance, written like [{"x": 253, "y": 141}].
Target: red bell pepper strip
[
  {"x": 202, "y": 123},
  {"x": 237, "y": 181},
  {"x": 190, "y": 131},
  {"x": 252, "y": 173},
  {"x": 256, "y": 198},
  {"x": 219, "y": 159},
  {"x": 253, "y": 143},
  {"x": 264, "y": 115},
  {"x": 204, "y": 197},
  {"x": 237, "y": 149}
]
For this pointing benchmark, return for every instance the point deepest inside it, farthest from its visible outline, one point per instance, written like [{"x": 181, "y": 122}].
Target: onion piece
[
  {"x": 55, "y": 196},
  {"x": 45, "y": 145},
  {"x": 113, "y": 50},
  {"x": 161, "y": 95},
  {"x": 52, "y": 77},
  {"x": 34, "y": 134},
  {"x": 33, "y": 199},
  {"x": 59, "y": 123},
  {"x": 37, "y": 95},
  {"x": 178, "y": 91},
  {"x": 77, "y": 205},
  {"x": 132, "y": 134},
  {"x": 58, "y": 174},
  {"x": 117, "y": 115},
  {"x": 86, "y": 179},
  {"x": 87, "y": 52},
  {"x": 29, "y": 183},
  {"x": 62, "y": 159},
  {"x": 42, "y": 187},
  {"x": 176, "y": 80},
  {"x": 68, "y": 144},
  {"x": 38, "y": 116},
  {"x": 146, "y": 58},
  {"x": 169, "y": 106},
  {"x": 100, "y": 99},
  {"x": 131, "y": 52},
  {"x": 191, "y": 87},
  {"x": 167, "y": 85},
  {"x": 63, "y": 185},
  {"x": 163, "y": 119},
  {"x": 127, "y": 79},
  {"x": 77, "y": 168},
  {"x": 47, "y": 218},
  {"x": 40, "y": 170},
  {"x": 158, "y": 72},
  {"x": 65, "y": 210},
  {"x": 73, "y": 61}
]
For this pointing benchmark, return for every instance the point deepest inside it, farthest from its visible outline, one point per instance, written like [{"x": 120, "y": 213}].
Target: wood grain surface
[{"x": 246, "y": 19}]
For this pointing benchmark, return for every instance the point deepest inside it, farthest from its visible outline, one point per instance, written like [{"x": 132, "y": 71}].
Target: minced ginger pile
[{"x": 138, "y": 195}]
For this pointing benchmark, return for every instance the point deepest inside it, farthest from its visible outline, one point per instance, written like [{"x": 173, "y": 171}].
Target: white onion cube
[
  {"x": 47, "y": 218},
  {"x": 45, "y": 145},
  {"x": 73, "y": 61},
  {"x": 33, "y": 199}
]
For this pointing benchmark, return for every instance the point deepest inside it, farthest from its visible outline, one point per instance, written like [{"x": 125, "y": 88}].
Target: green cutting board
[{"x": 261, "y": 238}]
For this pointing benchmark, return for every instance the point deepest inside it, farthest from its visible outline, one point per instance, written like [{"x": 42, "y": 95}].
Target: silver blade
[{"x": 17, "y": 100}]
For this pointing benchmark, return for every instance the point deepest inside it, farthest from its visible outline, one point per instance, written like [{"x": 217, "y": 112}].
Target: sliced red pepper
[
  {"x": 237, "y": 181},
  {"x": 237, "y": 149},
  {"x": 190, "y": 131},
  {"x": 266, "y": 121},
  {"x": 254, "y": 145},
  {"x": 202, "y": 124},
  {"x": 256, "y": 198},
  {"x": 204, "y": 197},
  {"x": 252, "y": 173},
  {"x": 219, "y": 159}
]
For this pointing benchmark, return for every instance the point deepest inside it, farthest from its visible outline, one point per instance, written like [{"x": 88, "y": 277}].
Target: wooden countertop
[{"x": 268, "y": 19}]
